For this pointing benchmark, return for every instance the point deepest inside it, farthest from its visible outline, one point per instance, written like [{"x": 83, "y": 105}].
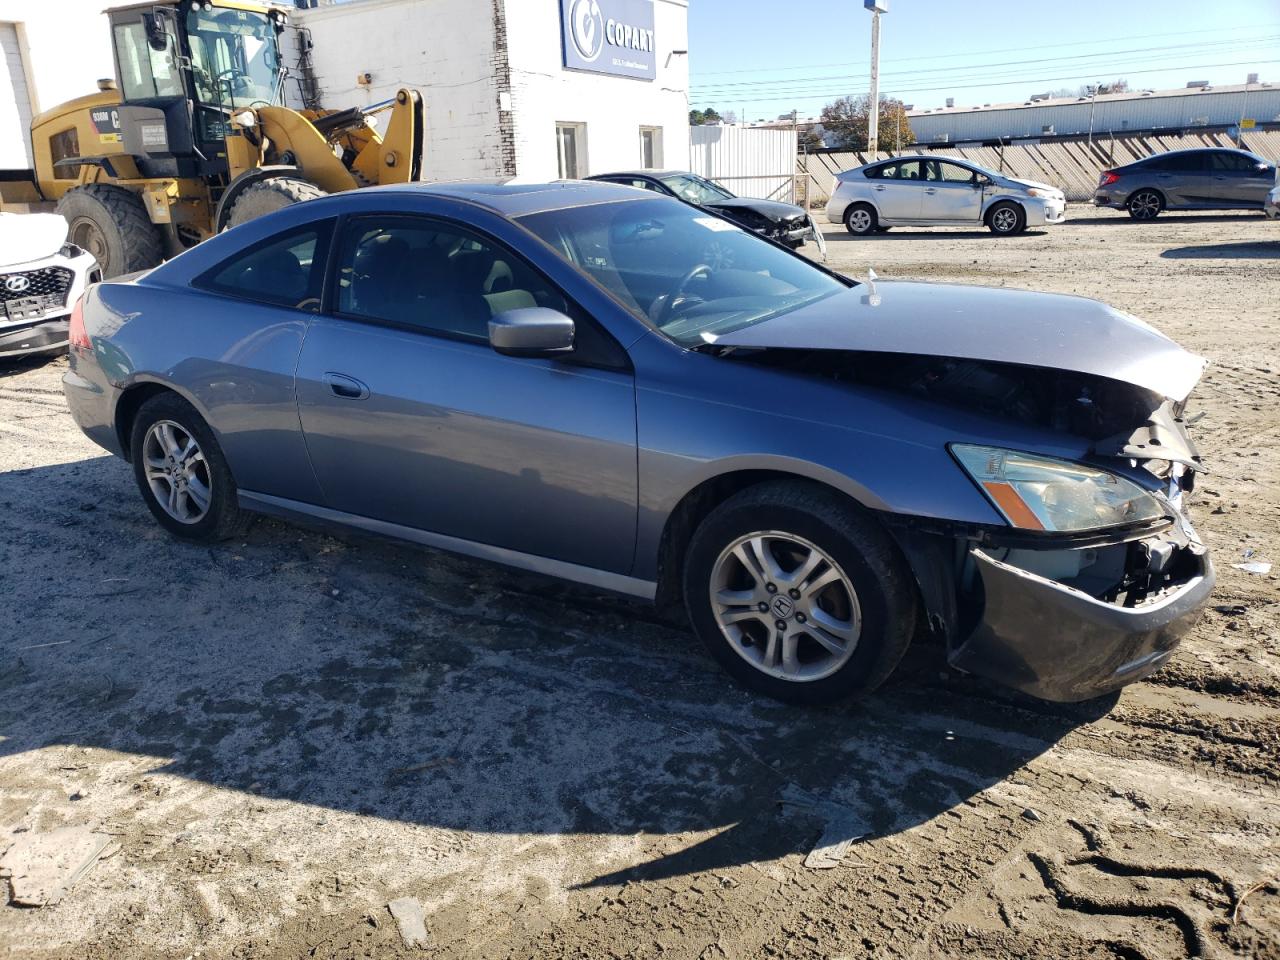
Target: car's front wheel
[
  {"x": 798, "y": 594},
  {"x": 860, "y": 219},
  {"x": 1006, "y": 218},
  {"x": 182, "y": 473},
  {"x": 1145, "y": 205}
]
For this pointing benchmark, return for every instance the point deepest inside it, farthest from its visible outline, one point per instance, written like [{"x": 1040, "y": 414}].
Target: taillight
[
  {"x": 1108, "y": 177},
  {"x": 77, "y": 336}
]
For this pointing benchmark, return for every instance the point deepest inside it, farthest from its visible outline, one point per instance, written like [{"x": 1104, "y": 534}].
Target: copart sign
[{"x": 609, "y": 36}]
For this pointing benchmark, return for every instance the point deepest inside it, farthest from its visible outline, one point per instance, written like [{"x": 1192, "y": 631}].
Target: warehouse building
[
  {"x": 531, "y": 88},
  {"x": 1166, "y": 111}
]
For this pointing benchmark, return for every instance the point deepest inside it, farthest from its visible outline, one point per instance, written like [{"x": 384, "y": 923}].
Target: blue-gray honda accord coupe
[{"x": 615, "y": 388}]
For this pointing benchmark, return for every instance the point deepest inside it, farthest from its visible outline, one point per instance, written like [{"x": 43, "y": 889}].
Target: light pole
[
  {"x": 1093, "y": 102},
  {"x": 1244, "y": 109},
  {"x": 876, "y": 7}
]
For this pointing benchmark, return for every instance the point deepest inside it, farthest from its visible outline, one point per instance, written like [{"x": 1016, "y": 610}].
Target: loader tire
[
  {"x": 268, "y": 196},
  {"x": 112, "y": 224}
]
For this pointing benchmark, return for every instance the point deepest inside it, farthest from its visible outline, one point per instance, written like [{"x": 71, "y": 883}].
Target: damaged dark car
[
  {"x": 783, "y": 223},
  {"x": 618, "y": 389}
]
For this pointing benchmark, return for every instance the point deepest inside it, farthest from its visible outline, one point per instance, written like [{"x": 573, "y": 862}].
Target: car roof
[
  {"x": 510, "y": 199},
  {"x": 654, "y": 174}
]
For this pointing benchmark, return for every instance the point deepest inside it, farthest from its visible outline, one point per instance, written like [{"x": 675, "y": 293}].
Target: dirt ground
[{"x": 286, "y": 733}]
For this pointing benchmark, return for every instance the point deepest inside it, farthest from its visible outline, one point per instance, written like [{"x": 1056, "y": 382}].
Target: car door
[
  {"x": 951, "y": 193},
  {"x": 1237, "y": 179},
  {"x": 1183, "y": 179},
  {"x": 898, "y": 190},
  {"x": 411, "y": 418}
]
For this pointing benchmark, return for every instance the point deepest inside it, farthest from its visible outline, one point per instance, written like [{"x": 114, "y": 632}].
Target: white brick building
[{"x": 500, "y": 100}]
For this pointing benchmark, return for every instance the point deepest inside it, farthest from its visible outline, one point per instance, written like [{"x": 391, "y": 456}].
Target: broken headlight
[{"x": 1044, "y": 493}]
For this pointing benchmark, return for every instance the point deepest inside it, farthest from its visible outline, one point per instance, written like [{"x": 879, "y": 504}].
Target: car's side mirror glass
[{"x": 531, "y": 332}]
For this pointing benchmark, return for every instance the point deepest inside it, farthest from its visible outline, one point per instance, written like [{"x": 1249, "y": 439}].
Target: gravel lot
[{"x": 284, "y": 734}]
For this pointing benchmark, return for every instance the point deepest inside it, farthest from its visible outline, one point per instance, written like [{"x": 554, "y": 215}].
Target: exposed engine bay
[{"x": 1122, "y": 419}]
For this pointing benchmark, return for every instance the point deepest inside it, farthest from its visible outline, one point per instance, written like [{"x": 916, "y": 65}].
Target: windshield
[
  {"x": 234, "y": 59},
  {"x": 695, "y": 189},
  {"x": 690, "y": 274}
]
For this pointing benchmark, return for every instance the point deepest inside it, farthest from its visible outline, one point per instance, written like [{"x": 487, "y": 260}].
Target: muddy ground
[{"x": 285, "y": 733}]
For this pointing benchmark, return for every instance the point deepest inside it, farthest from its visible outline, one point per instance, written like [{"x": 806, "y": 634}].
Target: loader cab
[{"x": 182, "y": 70}]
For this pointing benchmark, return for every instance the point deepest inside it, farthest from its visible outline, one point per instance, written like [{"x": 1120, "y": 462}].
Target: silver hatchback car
[{"x": 940, "y": 192}]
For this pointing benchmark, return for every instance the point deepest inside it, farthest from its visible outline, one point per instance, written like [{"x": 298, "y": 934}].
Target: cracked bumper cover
[{"x": 1058, "y": 643}]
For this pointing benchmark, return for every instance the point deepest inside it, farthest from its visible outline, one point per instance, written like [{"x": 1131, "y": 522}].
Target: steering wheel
[{"x": 674, "y": 297}]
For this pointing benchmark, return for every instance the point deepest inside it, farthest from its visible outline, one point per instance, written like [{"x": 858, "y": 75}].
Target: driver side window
[{"x": 954, "y": 173}]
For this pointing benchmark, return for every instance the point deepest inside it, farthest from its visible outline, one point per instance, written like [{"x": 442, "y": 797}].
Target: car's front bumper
[
  {"x": 1044, "y": 212},
  {"x": 42, "y": 336},
  {"x": 1059, "y": 643},
  {"x": 34, "y": 318},
  {"x": 1272, "y": 208}
]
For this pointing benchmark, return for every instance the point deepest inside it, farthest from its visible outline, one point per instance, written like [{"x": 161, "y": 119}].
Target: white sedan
[
  {"x": 41, "y": 278},
  {"x": 922, "y": 191},
  {"x": 1271, "y": 206}
]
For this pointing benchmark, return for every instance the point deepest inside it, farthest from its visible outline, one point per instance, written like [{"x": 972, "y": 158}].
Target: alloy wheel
[
  {"x": 860, "y": 220},
  {"x": 1005, "y": 220},
  {"x": 785, "y": 606},
  {"x": 1145, "y": 205},
  {"x": 177, "y": 471}
]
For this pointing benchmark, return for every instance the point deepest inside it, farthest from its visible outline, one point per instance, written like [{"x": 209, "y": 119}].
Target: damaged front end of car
[{"x": 1096, "y": 571}]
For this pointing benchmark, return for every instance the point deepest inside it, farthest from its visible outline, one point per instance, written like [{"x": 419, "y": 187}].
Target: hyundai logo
[
  {"x": 17, "y": 283},
  {"x": 587, "y": 27}
]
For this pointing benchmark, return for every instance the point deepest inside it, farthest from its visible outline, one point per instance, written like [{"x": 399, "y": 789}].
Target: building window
[
  {"x": 61, "y": 146},
  {"x": 650, "y": 147},
  {"x": 571, "y": 149}
]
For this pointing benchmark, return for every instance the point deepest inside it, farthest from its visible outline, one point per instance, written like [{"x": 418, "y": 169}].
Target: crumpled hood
[
  {"x": 772, "y": 209},
  {"x": 1047, "y": 330},
  {"x": 30, "y": 236}
]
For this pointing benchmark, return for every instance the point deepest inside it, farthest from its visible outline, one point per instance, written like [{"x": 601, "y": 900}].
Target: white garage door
[{"x": 15, "y": 104}]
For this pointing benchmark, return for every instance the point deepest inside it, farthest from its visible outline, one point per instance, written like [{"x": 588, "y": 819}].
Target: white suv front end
[{"x": 41, "y": 278}]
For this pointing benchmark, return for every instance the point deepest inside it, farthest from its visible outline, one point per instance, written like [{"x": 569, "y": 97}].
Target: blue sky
[{"x": 762, "y": 58}]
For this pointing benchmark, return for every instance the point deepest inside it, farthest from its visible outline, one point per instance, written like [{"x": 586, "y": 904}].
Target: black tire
[
  {"x": 1145, "y": 204},
  {"x": 224, "y": 518},
  {"x": 861, "y": 226},
  {"x": 268, "y": 196},
  {"x": 1001, "y": 223},
  {"x": 861, "y": 547},
  {"x": 112, "y": 224}
]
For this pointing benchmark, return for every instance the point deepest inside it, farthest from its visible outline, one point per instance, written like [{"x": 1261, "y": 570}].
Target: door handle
[
  {"x": 349, "y": 388},
  {"x": 931, "y": 190},
  {"x": 879, "y": 187}
]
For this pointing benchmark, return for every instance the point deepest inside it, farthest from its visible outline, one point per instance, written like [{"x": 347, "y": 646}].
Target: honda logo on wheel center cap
[
  {"x": 18, "y": 283},
  {"x": 783, "y": 607}
]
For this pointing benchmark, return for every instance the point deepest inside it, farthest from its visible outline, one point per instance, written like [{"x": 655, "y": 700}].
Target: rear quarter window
[{"x": 286, "y": 270}]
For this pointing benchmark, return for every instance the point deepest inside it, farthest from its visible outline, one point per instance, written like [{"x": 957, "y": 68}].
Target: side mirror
[{"x": 531, "y": 332}]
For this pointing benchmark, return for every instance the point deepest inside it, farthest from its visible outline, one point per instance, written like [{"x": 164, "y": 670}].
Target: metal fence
[
  {"x": 749, "y": 161},
  {"x": 1074, "y": 165}
]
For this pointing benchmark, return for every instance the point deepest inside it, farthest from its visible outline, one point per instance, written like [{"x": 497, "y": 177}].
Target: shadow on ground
[
  {"x": 1248, "y": 250},
  {"x": 417, "y": 687}
]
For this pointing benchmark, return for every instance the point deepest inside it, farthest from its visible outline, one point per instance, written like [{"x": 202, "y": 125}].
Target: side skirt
[{"x": 588, "y": 576}]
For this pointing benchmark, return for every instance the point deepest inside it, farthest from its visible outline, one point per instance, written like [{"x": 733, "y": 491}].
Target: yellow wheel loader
[{"x": 192, "y": 136}]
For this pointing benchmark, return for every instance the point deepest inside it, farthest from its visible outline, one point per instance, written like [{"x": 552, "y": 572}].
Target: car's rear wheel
[
  {"x": 182, "y": 473},
  {"x": 1145, "y": 205},
  {"x": 798, "y": 594},
  {"x": 1006, "y": 218},
  {"x": 860, "y": 219}
]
